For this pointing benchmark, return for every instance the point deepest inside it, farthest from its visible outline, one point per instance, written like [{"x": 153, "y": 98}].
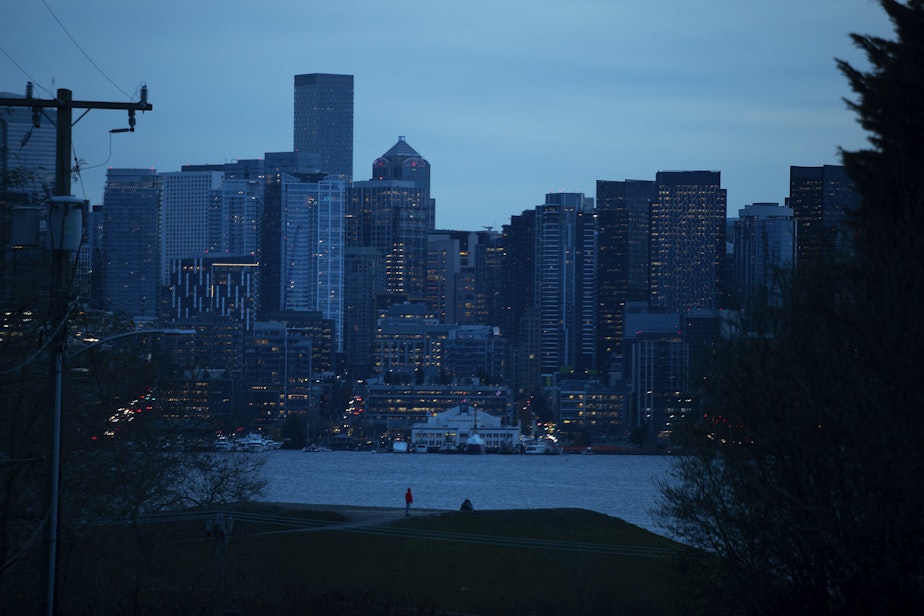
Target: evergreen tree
[{"x": 805, "y": 475}]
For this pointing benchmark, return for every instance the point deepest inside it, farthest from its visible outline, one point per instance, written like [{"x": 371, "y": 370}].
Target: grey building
[
  {"x": 687, "y": 240},
  {"x": 130, "y": 247},
  {"x": 324, "y": 120}
]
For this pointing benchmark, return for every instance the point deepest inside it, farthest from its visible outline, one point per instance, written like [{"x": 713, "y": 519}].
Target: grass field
[{"x": 281, "y": 559}]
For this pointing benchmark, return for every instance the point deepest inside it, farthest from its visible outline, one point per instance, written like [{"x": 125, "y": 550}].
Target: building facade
[
  {"x": 765, "y": 251},
  {"x": 687, "y": 240},
  {"x": 323, "y": 121},
  {"x": 622, "y": 210},
  {"x": 820, "y": 198},
  {"x": 130, "y": 246}
]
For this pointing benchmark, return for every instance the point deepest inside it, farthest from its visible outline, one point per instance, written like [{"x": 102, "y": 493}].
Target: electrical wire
[
  {"x": 85, "y": 54},
  {"x": 25, "y": 72}
]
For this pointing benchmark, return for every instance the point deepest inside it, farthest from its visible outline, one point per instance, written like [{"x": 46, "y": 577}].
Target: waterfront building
[
  {"x": 687, "y": 240},
  {"x": 277, "y": 371},
  {"x": 587, "y": 406},
  {"x": 130, "y": 246},
  {"x": 402, "y": 404},
  {"x": 323, "y": 122},
  {"x": 622, "y": 210},
  {"x": 450, "y": 431},
  {"x": 820, "y": 198},
  {"x": 765, "y": 251}
]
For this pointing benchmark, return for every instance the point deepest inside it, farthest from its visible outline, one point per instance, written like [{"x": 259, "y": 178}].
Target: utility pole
[{"x": 60, "y": 299}]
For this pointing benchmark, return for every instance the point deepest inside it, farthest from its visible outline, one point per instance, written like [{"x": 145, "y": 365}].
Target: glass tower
[
  {"x": 324, "y": 120},
  {"x": 687, "y": 241},
  {"x": 130, "y": 242}
]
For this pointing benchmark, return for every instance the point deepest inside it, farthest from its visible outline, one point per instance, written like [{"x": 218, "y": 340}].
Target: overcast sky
[{"x": 507, "y": 100}]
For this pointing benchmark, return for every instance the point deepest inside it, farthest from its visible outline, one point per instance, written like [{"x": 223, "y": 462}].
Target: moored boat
[{"x": 474, "y": 444}]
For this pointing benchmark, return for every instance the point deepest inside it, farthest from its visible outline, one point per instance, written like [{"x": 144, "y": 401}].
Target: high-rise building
[
  {"x": 622, "y": 210},
  {"x": 364, "y": 280},
  {"x": 687, "y": 240},
  {"x": 765, "y": 249},
  {"x": 820, "y": 198},
  {"x": 395, "y": 216},
  {"x": 188, "y": 201},
  {"x": 27, "y": 152},
  {"x": 451, "y": 274},
  {"x": 566, "y": 282},
  {"x": 130, "y": 247},
  {"x": 276, "y": 166},
  {"x": 324, "y": 120},
  {"x": 311, "y": 233}
]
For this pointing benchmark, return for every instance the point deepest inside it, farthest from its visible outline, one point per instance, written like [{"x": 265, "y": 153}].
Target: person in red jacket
[{"x": 408, "y": 499}]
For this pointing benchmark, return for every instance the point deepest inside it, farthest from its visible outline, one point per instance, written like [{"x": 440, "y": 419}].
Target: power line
[
  {"x": 85, "y": 54},
  {"x": 24, "y": 71}
]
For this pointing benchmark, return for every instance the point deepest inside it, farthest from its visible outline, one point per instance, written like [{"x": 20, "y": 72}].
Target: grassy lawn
[{"x": 296, "y": 561}]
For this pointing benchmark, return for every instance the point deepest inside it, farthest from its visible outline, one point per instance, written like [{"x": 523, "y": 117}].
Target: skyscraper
[
  {"x": 622, "y": 211},
  {"x": 311, "y": 234},
  {"x": 324, "y": 120},
  {"x": 188, "y": 198},
  {"x": 765, "y": 247},
  {"x": 130, "y": 246},
  {"x": 566, "y": 282},
  {"x": 27, "y": 152},
  {"x": 687, "y": 240},
  {"x": 394, "y": 214},
  {"x": 820, "y": 198}
]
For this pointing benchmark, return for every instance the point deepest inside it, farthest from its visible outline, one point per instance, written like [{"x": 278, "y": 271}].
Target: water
[{"x": 622, "y": 486}]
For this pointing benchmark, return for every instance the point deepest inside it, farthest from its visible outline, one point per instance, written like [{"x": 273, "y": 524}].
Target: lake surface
[{"x": 622, "y": 486}]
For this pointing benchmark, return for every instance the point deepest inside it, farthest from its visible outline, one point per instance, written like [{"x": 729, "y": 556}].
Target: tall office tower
[
  {"x": 395, "y": 216},
  {"x": 687, "y": 244},
  {"x": 490, "y": 264},
  {"x": 622, "y": 260},
  {"x": 820, "y": 198},
  {"x": 402, "y": 162},
  {"x": 130, "y": 248},
  {"x": 324, "y": 120},
  {"x": 363, "y": 281},
  {"x": 27, "y": 152},
  {"x": 240, "y": 215},
  {"x": 566, "y": 282},
  {"x": 187, "y": 208},
  {"x": 277, "y": 165},
  {"x": 451, "y": 274},
  {"x": 311, "y": 233},
  {"x": 765, "y": 250}
]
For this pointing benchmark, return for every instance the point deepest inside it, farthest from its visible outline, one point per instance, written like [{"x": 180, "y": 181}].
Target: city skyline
[{"x": 529, "y": 102}]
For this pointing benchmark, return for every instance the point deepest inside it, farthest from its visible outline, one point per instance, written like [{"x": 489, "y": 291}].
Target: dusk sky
[{"x": 507, "y": 100}]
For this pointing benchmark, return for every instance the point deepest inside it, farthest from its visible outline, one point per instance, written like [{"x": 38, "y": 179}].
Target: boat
[
  {"x": 474, "y": 444},
  {"x": 421, "y": 448},
  {"x": 222, "y": 443},
  {"x": 399, "y": 447},
  {"x": 543, "y": 445}
]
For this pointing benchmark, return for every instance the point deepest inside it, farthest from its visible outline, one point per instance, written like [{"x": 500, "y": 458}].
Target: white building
[{"x": 449, "y": 431}]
